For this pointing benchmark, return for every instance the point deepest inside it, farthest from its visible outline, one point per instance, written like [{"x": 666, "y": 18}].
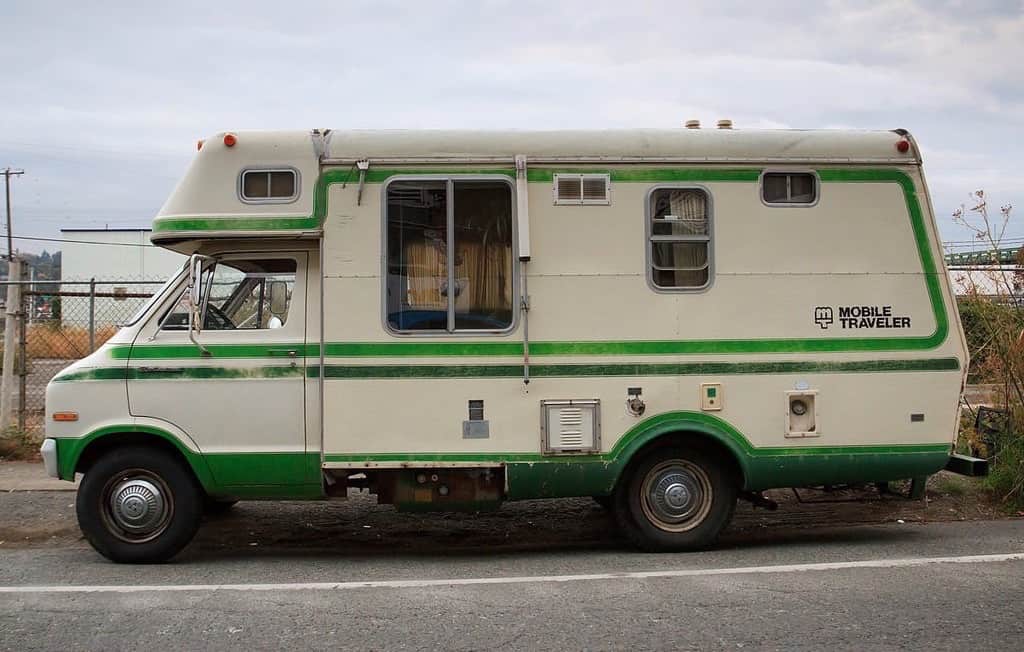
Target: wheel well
[
  {"x": 101, "y": 446},
  {"x": 692, "y": 439}
]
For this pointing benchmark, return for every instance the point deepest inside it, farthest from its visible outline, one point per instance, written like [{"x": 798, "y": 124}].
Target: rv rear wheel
[
  {"x": 675, "y": 499},
  {"x": 138, "y": 505}
]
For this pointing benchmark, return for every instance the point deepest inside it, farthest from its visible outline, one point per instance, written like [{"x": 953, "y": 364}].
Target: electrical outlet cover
[{"x": 711, "y": 397}]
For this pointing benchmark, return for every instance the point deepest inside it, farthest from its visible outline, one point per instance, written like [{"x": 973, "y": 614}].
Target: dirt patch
[
  {"x": 19, "y": 445},
  {"x": 360, "y": 526}
]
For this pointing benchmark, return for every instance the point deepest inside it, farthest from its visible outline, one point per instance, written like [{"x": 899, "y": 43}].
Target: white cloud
[{"x": 111, "y": 99}]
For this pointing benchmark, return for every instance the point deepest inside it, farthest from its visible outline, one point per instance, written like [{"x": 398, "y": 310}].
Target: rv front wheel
[
  {"x": 138, "y": 505},
  {"x": 675, "y": 499}
]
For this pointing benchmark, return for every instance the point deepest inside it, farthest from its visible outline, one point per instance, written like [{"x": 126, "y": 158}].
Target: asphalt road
[{"x": 854, "y": 587}]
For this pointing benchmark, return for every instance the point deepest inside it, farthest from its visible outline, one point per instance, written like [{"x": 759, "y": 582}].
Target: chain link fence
[{"x": 58, "y": 323}]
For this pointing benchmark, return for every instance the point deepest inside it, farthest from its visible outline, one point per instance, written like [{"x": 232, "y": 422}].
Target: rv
[{"x": 665, "y": 320}]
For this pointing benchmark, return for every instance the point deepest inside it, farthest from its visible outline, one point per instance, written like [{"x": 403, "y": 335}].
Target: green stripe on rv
[
  {"x": 827, "y": 175},
  {"x": 299, "y": 222},
  {"x": 532, "y": 475},
  {"x": 330, "y": 177},
  {"x": 406, "y": 349},
  {"x": 512, "y": 371},
  {"x": 631, "y": 370}
]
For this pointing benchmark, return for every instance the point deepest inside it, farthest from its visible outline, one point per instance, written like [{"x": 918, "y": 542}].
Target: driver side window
[{"x": 242, "y": 295}]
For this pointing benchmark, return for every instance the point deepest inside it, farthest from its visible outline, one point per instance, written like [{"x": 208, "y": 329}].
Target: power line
[{"x": 72, "y": 241}]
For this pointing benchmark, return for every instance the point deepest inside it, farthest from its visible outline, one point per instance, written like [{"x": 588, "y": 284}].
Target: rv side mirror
[
  {"x": 195, "y": 293},
  {"x": 278, "y": 298}
]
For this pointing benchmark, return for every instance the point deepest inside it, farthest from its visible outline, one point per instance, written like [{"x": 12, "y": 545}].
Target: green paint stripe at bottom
[{"x": 532, "y": 458}]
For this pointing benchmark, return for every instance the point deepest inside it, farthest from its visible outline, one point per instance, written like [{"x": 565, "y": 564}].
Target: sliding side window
[
  {"x": 789, "y": 188},
  {"x": 428, "y": 290},
  {"x": 679, "y": 238}
]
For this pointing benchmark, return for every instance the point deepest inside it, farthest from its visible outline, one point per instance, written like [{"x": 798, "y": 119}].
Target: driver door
[{"x": 240, "y": 394}]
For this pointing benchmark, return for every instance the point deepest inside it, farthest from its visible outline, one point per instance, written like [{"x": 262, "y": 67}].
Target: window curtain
[
  {"x": 426, "y": 268},
  {"x": 484, "y": 273},
  {"x": 691, "y": 209}
]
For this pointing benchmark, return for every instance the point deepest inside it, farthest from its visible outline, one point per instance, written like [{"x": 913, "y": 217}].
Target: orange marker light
[
  {"x": 199, "y": 144},
  {"x": 230, "y": 140},
  {"x": 902, "y": 146},
  {"x": 65, "y": 416}
]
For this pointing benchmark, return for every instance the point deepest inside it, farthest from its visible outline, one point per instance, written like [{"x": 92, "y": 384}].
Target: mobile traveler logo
[
  {"x": 823, "y": 316},
  {"x": 858, "y": 317}
]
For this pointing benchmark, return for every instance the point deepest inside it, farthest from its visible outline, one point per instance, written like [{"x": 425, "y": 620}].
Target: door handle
[{"x": 291, "y": 353}]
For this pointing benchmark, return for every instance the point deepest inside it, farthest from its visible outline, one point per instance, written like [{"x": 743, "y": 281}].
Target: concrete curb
[{"x": 30, "y": 476}]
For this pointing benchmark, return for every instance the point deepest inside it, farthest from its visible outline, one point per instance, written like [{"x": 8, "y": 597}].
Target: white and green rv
[{"x": 665, "y": 320}]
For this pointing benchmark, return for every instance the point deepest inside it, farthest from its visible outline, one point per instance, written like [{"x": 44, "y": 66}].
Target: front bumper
[{"x": 49, "y": 452}]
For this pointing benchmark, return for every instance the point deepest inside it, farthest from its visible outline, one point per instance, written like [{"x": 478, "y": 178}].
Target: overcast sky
[{"x": 102, "y": 106}]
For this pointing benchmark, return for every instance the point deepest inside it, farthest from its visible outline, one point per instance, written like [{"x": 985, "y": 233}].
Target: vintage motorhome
[{"x": 666, "y": 320}]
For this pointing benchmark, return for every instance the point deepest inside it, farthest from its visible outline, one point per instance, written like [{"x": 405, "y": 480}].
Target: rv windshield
[{"x": 173, "y": 280}]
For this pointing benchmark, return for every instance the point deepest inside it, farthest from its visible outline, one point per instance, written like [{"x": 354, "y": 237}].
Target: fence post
[
  {"x": 92, "y": 314},
  {"x": 10, "y": 332},
  {"x": 25, "y": 312}
]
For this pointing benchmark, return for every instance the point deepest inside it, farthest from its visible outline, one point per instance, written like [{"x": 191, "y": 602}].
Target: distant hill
[{"x": 46, "y": 266}]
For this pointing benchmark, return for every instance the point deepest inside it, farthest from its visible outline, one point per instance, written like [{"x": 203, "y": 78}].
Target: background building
[{"x": 110, "y": 255}]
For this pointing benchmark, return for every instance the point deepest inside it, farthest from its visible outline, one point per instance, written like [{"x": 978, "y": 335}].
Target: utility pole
[
  {"x": 8, "y": 173},
  {"x": 11, "y": 311}
]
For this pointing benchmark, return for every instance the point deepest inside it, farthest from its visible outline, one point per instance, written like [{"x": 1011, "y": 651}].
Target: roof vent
[
  {"x": 725, "y": 124},
  {"x": 693, "y": 124}
]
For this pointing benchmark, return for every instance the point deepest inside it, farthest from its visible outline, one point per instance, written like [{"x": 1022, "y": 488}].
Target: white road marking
[{"x": 533, "y": 579}]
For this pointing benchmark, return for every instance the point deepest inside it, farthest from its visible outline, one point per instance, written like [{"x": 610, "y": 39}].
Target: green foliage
[
  {"x": 992, "y": 312},
  {"x": 995, "y": 337},
  {"x": 1006, "y": 478}
]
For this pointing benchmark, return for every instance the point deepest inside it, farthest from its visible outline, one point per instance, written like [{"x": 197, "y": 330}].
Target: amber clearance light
[{"x": 65, "y": 416}]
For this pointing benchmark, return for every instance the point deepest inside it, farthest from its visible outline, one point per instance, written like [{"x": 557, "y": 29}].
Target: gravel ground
[{"x": 44, "y": 518}]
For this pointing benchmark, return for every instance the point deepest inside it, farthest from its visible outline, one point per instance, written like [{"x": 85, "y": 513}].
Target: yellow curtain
[
  {"x": 484, "y": 273},
  {"x": 426, "y": 268}
]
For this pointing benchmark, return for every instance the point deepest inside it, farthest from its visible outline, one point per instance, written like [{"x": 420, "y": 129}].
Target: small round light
[
  {"x": 903, "y": 146},
  {"x": 798, "y": 408},
  {"x": 230, "y": 140},
  {"x": 199, "y": 144}
]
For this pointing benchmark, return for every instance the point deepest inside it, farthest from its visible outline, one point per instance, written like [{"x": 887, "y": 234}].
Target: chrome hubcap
[
  {"x": 676, "y": 495},
  {"x": 137, "y": 506}
]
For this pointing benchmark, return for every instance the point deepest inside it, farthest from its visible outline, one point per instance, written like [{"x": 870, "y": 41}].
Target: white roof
[{"x": 708, "y": 145}]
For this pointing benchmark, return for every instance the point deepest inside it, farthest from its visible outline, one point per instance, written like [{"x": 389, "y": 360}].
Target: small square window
[
  {"x": 789, "y": 188},
  {"x": 269, "y": 185}
]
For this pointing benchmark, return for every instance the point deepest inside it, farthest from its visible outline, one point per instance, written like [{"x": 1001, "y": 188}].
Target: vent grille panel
[
  {"x": 569, "y": 189},
  {"x": 579, "y": 189},
  {"x": 595, "y": 189},
  {"x": 571, "y": 426}
]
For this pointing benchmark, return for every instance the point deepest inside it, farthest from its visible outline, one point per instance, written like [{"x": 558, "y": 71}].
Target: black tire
[
  {"x": 605, "y": 502},
  {"x": 217, "y": 506},
  {"x": 700, "y": 505},
  {"x": 158, "y": 512}
]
